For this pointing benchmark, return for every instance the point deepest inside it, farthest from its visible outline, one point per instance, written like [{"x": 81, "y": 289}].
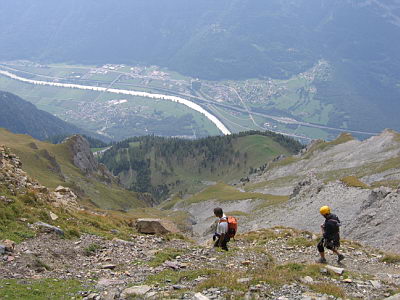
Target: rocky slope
[
  {"x": 268, "y": 264},
  {"x": 358, "y": 179},
  {"x": 64, "y": 252}
]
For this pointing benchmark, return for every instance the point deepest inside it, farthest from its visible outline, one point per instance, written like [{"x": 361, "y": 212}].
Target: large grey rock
[
  {"x": 394, "y": 297},
  {"x": 140, "y": 290},
  {"x": 48, "y": 228},
  {"x": 155, "y": 226}
]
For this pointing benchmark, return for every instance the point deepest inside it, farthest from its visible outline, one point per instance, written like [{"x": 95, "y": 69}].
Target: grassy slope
[
  {"x": 37, "y": 166},
  {"x": 224, "y": 192}
]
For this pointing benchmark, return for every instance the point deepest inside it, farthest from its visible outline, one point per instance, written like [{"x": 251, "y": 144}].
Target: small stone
[
  {"x": 200, "y": 296},
  {"x": 53, "y": 216},
  {"x": 172, "y": 265},
  {"x": 323, "y": 271},
  {"x": 348, "y": 280},
  {"x": 376, "y": 284},
  {"x": 307, "y": 279},
  {"x": 178, "y": 287},
  {"x": 49, "y": 228},
  {"x": 8, "y": 245},
  {"x": 243, "y": 280},
  {"x": 92, "y": 296},
  {"x": 109, "y": 267},
  {"x": 246, "y": 262},
  {"x": 357, "y": 295},
  {"x": 394, "y": 297},
  {"x": 151, "y": 294},
  {"x": 335, "y": 269}
]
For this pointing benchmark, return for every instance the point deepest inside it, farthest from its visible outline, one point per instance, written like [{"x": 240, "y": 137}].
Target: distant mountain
[{"x": 20, "y": 116}]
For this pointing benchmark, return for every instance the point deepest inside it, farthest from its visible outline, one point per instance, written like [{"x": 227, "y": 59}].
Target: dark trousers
[
  {"x": 331, "y": 244},
  {"x": 224, "y": 243}
]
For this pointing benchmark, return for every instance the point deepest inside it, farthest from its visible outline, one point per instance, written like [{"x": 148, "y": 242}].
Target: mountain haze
[{"x": 228, "y": 40}]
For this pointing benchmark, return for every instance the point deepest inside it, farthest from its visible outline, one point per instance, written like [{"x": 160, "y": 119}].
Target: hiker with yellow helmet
[{"x": 330, "y": 234}]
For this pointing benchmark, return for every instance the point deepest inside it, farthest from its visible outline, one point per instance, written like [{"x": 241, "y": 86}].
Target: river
[{"x": 180, "y": 100}]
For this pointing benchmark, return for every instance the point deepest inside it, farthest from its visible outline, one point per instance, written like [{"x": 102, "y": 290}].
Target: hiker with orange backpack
[
  {"x": 226, "y": 229},
  {"x": 330, "y": 234}
]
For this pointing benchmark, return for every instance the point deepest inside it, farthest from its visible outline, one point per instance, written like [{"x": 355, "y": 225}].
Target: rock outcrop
[
  {"x": 17, "y": 181},
  {"x": 82, "y": 156},
  {"x": 155, "y": 226},
  {"x": 84, "y": 159}
]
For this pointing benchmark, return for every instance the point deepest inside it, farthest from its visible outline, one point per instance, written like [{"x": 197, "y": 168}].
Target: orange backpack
[{"x": 232, "y": 226}]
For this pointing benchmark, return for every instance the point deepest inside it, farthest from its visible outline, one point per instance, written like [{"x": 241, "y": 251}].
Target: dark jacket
[{"x": 331, "y": 227}]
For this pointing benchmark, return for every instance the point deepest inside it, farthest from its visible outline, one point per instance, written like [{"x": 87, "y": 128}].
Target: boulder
[
  {"x": 155, "y": 226},
  {"x": 48, "y": 228}
]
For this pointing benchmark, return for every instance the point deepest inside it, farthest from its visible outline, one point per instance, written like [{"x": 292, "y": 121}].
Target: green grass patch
[
  {"x": 278, "y": 275},
  {"x": 237, "y": 213},
  {"x": 18, "y": 289},
  {"x": 322, "y": 145},
  {"x": 164, "y": 255},
  {"x": 391, "y": 258},
  {"x": 230, "y": 281},
  {"x": 224, "y": 192},
  {"x": 353, "y": 181},
  {"x": 92, "y": 249},
  {"x": 262, "y": 236},
  {"x": 301, "y": 242},
  {"x": 329, "y": 289}
]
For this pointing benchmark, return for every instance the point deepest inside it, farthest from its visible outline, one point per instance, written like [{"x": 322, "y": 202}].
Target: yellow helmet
[{"x": 325, "y": 210}]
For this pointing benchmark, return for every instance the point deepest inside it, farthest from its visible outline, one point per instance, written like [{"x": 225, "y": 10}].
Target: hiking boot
[
  {"x": 340, "y": 257},
  {"x": 322, "y": 261}
]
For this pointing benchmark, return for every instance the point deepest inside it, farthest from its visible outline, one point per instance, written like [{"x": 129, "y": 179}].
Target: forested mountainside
[
  {"x": 161, "y": 166},
  {"x": 359, "y": 39},
  {"x": 20, "y": 116}
]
